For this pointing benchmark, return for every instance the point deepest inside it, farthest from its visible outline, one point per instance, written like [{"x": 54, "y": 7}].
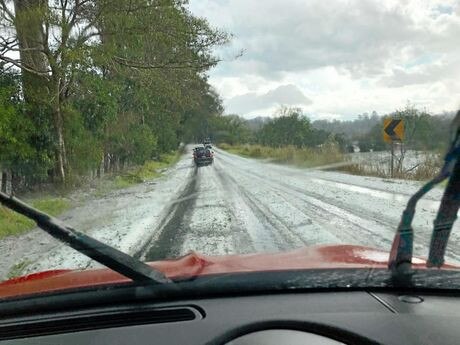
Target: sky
[{"x": 337, "y": 58}]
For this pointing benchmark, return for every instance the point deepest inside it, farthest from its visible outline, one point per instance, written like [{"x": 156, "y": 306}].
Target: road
[
  {"x": 239, "y": 205},
  {"x": 235, "y": 206}
]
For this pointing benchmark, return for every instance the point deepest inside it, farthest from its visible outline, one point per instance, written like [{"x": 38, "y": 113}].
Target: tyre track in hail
[
  {"x": 240, "y": 236},
  {"x": 174, "y": 226}
]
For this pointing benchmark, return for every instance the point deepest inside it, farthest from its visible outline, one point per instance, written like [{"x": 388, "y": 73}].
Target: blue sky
[{"x": 336, "y": 59}]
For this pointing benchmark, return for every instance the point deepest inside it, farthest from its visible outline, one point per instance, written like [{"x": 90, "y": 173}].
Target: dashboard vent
[{"x": 46, "y": 325}]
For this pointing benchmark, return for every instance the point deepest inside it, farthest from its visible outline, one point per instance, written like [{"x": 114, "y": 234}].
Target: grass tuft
[
  {"x": 17, "y": 269},
  {"x": 148, "y": 171}
]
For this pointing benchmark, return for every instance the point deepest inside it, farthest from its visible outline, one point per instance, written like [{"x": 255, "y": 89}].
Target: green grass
[
  {"x": 303, "y": 157},
  {"x": 12, "y": 223},
  {"x": 148, "y": 171}
]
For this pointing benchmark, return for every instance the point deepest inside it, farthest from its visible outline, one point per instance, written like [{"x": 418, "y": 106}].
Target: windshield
[{"x": 294, "y": 131}]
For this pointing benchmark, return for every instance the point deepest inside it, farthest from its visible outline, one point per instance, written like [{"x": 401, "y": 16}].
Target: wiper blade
[
  {"x": 400, "y": 260},
  {"x": 110, "y": 257}
]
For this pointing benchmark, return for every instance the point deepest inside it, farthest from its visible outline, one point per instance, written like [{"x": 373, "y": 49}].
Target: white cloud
[{"x": 347, "y": 56}]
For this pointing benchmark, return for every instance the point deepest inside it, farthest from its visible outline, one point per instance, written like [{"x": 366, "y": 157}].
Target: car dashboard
[{"x": 354, "y": 317}]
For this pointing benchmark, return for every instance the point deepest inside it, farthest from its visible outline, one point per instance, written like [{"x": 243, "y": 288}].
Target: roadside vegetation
[{"x": 329, "y": 153}]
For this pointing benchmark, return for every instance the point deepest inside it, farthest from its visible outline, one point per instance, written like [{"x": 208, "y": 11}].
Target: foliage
[
  {"x": 292, "y": 127},
  {"x": 423, "y": 131},
  {"x": 21, "y": 144},
  {"x": 13, "y": 131},
  {"x": 102, "y": 84}
]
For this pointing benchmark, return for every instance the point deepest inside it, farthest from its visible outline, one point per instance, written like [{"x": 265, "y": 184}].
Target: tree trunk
[
  {"x": 61, "y": 161},
  {"x": 29, "y": 22}
]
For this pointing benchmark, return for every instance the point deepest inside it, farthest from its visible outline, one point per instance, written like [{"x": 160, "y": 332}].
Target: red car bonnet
[{"x": 194, "y": 264}]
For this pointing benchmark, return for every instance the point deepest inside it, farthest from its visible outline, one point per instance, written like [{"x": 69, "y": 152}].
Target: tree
[
  {"x": 58, "y": 41},
  {"x": 290, "y": 128}
]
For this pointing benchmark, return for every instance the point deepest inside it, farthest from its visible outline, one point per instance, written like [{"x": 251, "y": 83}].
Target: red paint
[
  {"x": 33, "y": 276},
  {"x": 194, "y": 264}
]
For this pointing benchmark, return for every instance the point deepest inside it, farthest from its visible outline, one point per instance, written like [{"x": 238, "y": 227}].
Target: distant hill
[{"x": 351, "y": 128}]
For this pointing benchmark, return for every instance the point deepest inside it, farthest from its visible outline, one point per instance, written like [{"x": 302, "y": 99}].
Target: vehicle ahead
[{"x": 203, "y": 156}]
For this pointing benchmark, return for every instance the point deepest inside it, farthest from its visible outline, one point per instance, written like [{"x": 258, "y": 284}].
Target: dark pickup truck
[{"x": 202, "y": 156}]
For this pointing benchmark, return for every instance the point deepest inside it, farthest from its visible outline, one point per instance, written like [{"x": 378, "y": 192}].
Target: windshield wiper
[
  {"x": 400, "y": 261},
  {"x": 114, "y": 259}
]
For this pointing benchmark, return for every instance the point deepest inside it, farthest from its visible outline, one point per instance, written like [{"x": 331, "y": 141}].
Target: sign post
[{"x": 393, "y": 131}]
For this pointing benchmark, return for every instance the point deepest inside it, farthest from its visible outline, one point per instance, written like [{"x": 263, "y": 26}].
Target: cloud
[
  {"x": 420, "y": 74},
  {"x": 401, "y": 78},
  {"x": 392, "y": 49},
  {"x": 280, "y": 36},
  {"x": 289, "y": 95}
]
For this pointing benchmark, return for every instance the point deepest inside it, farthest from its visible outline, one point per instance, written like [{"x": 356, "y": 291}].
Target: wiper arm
[
  {"x": 114, "y": 259},
  {"x": 400, "y": 260},
  {"x": 447, "y": 214}
]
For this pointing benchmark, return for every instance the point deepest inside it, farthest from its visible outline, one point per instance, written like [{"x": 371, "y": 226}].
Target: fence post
[
  {"x": 4, "y": 178},
  {"x": 392, "y": 159}
]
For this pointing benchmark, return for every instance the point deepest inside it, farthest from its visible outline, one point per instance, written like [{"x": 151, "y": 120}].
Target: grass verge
[
  {"x": 329, "y": 153},
  {"x": 12, "y": 223}
]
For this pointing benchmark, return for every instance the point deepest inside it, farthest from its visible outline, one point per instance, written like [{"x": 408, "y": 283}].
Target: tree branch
[
  {"x": 5, "y": 9},
  {"x": 186, "y": 64},
  {"x": 24, "y": 66}
]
